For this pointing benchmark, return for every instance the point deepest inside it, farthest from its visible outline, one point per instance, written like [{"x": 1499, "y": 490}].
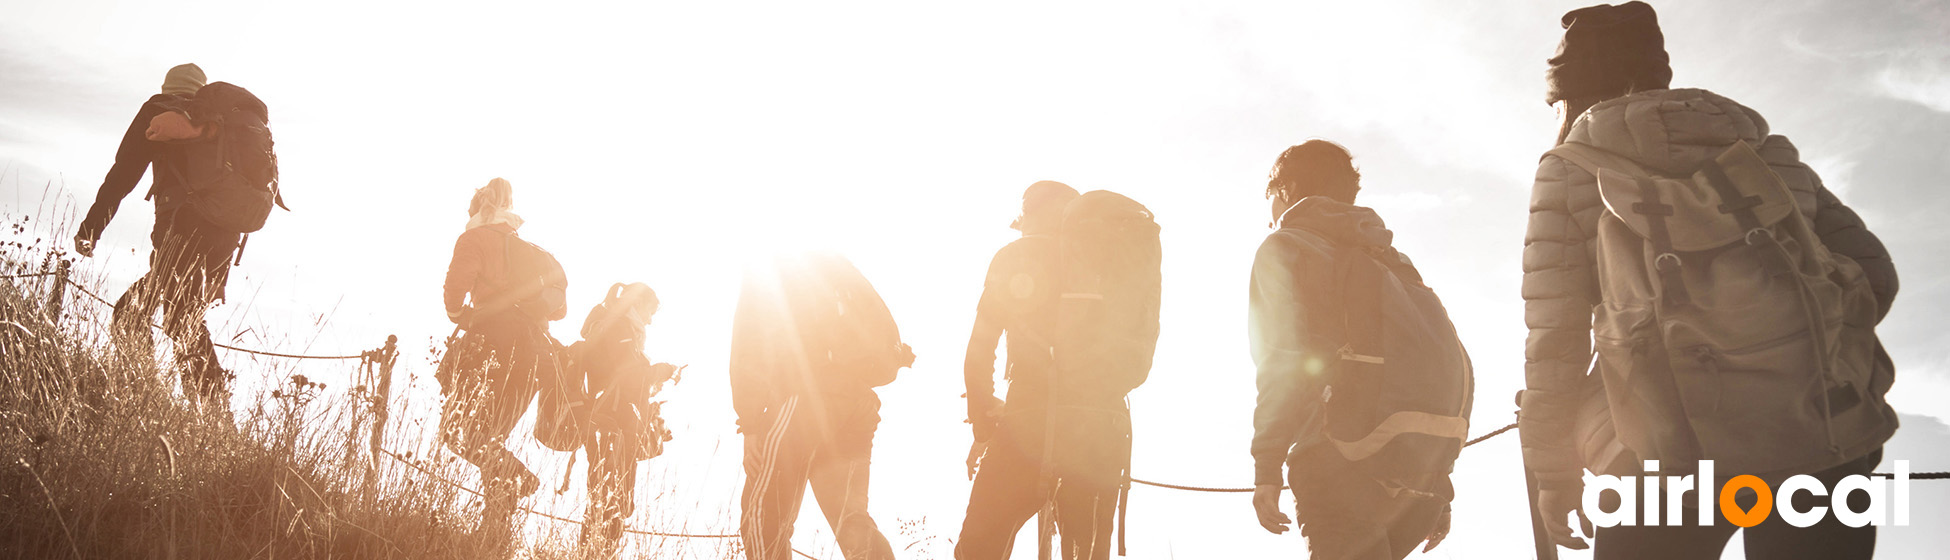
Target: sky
[{"x": 668, "y": 142}]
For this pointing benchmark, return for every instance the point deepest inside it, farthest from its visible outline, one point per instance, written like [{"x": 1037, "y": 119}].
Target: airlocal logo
[{"x": 1676, "y": 488}]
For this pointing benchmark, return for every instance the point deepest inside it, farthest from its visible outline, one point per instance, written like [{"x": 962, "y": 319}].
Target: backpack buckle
[
  {"x": 1767, "y": 233},
  {"x": 1347, "y": 353},
  {"x": 1658, "y": 262}
]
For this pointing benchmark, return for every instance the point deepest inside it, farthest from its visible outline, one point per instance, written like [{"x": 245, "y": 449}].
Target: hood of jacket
[
  {"x": 1339, "y": 222},
  {"x": 1669, "y": 130}
]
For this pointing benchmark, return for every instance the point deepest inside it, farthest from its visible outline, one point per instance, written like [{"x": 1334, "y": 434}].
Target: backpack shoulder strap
[{"x": 1360, "y": 305}]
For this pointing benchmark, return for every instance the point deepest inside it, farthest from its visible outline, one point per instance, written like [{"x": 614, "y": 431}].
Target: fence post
[
  {"x": 54, "y": 298},
  {"x": 384, "y": 358}
]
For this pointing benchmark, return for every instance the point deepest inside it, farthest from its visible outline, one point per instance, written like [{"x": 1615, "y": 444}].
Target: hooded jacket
[
  {"x": 1293, "y": 280},
  {"x": 1669, "y": 132}
]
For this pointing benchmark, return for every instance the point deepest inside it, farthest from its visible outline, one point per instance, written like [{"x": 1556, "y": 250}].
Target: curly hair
[{"x": 1315, "y": 168}]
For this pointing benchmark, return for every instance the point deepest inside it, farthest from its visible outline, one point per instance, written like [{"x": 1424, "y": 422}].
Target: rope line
[
  {"x": 1478, "y": 439},
  {"x": 105, "y": 301},
  {"x": 443, "y": 480}
]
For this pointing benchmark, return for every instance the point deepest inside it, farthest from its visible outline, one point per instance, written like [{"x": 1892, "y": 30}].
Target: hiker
[
  {"x": 1364, "y": 389},
  {"x": 809, "y": 342},
  {"x": 1671, "y": 227},
  {"x": 625, "y": 426},
  {"x": 206, "y": 139},
  {"x": 1077, "y": 295},
  {"x": 1020, "y": 297},
  {"x": 502, "y": 291}
]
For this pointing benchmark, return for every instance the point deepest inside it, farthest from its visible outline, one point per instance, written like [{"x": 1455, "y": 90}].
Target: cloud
[{"x": 1922, "y": 78}]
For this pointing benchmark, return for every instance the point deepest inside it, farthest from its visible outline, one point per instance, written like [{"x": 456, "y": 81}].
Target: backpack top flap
[{"x": 1695, "y": 210}]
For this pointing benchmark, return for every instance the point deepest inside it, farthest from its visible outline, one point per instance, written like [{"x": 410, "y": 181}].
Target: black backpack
[
  {"x": 231, "y": 174},
  {"x": 1398, "y": 399}
]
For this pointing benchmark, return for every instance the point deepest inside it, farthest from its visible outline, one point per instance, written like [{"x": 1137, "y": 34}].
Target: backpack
[
  {"x": 538, "y": 288},
  {"x": 1397, "y": 400},
  {"x": 1109, "y": 285},
  {"x": 232, "y": 176},
  {"x": 1727, "y": 330},
  {"x": 843, "y": 317},
  {"x": 562, "y": 401}
]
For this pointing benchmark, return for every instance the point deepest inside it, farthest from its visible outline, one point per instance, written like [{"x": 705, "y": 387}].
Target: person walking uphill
[
  {"x": 1364, "y": 388},
  {"x": 1731, "y": 297},
  {"x": 1078, "y": 297},
  {"x": 625, "y": 427},
  {"x": 215, "y": 180},
  {"x": 503, "y": 291},
  {"x": 809, "y": 342}
]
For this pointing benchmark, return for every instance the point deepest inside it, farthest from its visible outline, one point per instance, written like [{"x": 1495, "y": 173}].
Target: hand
[
  {"x": 1441, "y": 531},
  {"x": 975, "y": 452},
  {"x": 1555, "y": 506},
  {"x": 1266, "y": 502},
  {"x": 464, "y": 319},
  {"x": 172, "y": 126},
  {"x": 84, "y": 246}
]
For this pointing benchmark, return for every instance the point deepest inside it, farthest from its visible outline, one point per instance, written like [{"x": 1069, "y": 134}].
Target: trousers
[
  {"x": 189, "y": 268},
  {"x": 1091, "y": 453},
  {"x": 1346, "y": 515},
  {"x": 822, "y": 442}
]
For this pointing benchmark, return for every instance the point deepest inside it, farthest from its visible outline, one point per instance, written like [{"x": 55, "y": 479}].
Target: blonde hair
[{"x": 499, "y": 194}]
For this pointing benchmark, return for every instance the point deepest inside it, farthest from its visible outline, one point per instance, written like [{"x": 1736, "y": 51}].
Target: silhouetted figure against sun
[
  {"x": 810, "y": 341},
  {"x": 1077, "y": 296},
  {"x": 502, "y": 291},
  {"x": 1698, "y": 252},
  {"x": 1364, "y": 388},
  {"x": 214, "y": 180},
  {"x": 624, "y": 427}
]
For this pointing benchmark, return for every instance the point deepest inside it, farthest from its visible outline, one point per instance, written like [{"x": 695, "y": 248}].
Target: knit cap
[
  {"x": 1608, "y": 51},
  {"x": 184, "y": 79}
]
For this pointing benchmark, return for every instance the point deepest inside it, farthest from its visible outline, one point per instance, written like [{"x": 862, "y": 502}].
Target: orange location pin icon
[{"x": 1762, "y": 506}]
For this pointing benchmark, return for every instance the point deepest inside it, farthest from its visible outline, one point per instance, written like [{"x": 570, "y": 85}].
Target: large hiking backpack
[
  {"x": 842, "y": 317},
  {"x": 1400, "y": 389},
  {"x": 1109, "y": 285},
  {"x": 232, "y": 173},
  {"x": 1727, "y": 330}
]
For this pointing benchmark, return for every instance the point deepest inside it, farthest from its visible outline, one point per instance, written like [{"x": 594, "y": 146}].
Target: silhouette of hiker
[
  {"x": 626, "y": 426},
  {"x": 1063, "y": 435},
  {"x": 189, "y": 265},
  {"x": 810, "y": 341},
  {"x": 502, "y": 291},
  {"x": 1364, "y": 389},
  {"x": 1700, "y": 263}
]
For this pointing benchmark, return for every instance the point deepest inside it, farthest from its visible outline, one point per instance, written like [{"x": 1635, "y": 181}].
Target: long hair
[
  {"x": 1315, "y": 168},
  {"x": 498, "y": 194}
]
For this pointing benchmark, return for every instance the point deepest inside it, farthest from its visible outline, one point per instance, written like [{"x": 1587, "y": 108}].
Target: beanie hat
[
  {"x": 184, "y": 79},
  {"x": 1608, "y": 51}
]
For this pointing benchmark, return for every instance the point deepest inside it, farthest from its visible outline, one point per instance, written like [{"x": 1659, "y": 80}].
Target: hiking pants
[
  {"x": 826, "y": 442},
  {"x": 489, "y": 378},
  {"x": 1772, "y": 539},
  {"x": 189, "y": 268},
  {"x": 1346, "y": 515},
  {"x": 1092, "y": 452},
  {"x": 612, "y": 483}
]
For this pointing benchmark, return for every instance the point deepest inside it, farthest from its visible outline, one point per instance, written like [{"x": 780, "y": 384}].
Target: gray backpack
[{"x": 1727, "y": 330}]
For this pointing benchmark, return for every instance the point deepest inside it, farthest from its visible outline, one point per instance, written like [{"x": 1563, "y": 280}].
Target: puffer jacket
[{"x": 1669, "y": 132}]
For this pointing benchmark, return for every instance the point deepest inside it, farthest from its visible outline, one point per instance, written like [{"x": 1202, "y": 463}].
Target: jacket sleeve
[
  {"x": 1559, "y": 288},
  {"x": 978, "y": 365},
  {"x": 131, "y": 162},
  {"x": 1290, "y": 378},
  {"x": 462, "y": 275}
]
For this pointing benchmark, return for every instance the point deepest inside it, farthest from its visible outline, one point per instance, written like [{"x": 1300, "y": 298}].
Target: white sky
[{"x": 660, "y": 143}]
